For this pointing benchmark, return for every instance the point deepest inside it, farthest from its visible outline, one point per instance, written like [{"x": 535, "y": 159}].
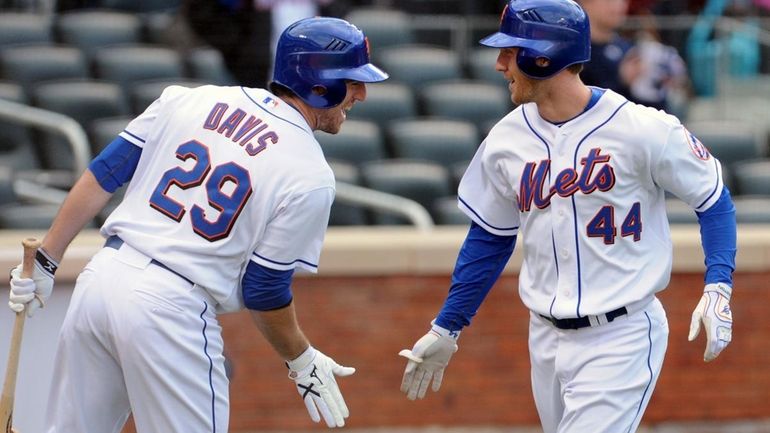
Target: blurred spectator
[
  {"x": 613, "y": 64},
  {"x": 644, "y": 71},
  {"x": 663, "y": 82},
  {"x": 239, "y": 31}
]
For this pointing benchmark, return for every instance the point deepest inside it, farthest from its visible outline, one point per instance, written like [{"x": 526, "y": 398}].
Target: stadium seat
[
  {"x": 16, "y": 149},
  {"x": 16, "y": 215},
  {"x": 206, "y": 64},
  {"x": 386, "y": 102},
  {"x": 752, "y": 177},
  {"x": 729, "y": 140},
  {"x": 469, "y": 100},
  {"x": 29, "y": 65},
  {"x": 84, "y": 101},
  {"x": 143, "y": 93},
  {"x": 752, "y": 209},
  {"x": 102, "y": 131},
  {"x": 128, "y": 65},
  {"x": 418, "y": 65},
  {"x": 438, "y": 140},
  {"x": 357, "y": 142},
  {"x": 384, "y": 27},
  {"x": 343, "y": 214},
  {"x": 457, "y": 171},
  {"x": 18, "y": 28},
  {"x": 90, "y": 30},
  {"x": 481, "y": 66},
  {"x": 421, "y": 181},
  {"x": 447, "y": 212}
]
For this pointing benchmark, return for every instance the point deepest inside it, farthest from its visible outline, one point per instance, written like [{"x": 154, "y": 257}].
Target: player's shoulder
[
  {"x": 647, "y": 116},
  {"x": 510, "y": 125}
]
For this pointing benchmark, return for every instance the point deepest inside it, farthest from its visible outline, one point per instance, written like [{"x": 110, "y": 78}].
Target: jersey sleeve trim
[
  {"x": 714, "y": 196},
  {"x": 284, "y": 266},
  {"x": 132, "y": 138},
  {"x": 500, "y": 231}
]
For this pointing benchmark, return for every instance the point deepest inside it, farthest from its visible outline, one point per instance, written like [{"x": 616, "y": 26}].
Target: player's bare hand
[
  {"x": 427, "y": 361},
  {"x": 32, "y": 293},
  {"x": 314, "y": 375},
  {"x": 713, "y": 311}
]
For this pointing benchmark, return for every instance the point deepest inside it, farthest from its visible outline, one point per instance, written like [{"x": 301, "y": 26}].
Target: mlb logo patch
[
  {"x": 698, "y": 149},
  {"x": 270, "y": 102}
]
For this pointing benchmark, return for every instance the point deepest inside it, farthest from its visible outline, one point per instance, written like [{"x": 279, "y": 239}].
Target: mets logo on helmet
[{"x": 696, "y": 146}]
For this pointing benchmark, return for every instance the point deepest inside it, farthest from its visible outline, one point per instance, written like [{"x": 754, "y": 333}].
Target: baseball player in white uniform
[
  {"x": 228, "y": 192},
  {"x": 580, "y": 173}
]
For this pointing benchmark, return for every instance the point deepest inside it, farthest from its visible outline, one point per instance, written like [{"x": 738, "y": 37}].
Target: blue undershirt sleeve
[
  {"x": 266, "y": 289},
  {"x": 116, "y": 164},
  {"x": 718, "y": 237},
  {"x": 479, "y": 264}
]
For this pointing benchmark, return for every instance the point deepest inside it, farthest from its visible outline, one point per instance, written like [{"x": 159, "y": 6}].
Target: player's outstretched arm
[
  {"x": 313, "y": 372},
  {"x": 718, "y": 236},
  {"x": 82, "y": 204},
  {"x": 479, "y": 263}
]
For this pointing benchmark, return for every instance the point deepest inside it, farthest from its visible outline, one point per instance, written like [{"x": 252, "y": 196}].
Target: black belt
[
  {"x": 583, "y": 322},
  {"x": 115, "y": 242}
]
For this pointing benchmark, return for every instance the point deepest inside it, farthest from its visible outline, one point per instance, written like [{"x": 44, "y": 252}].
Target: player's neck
[
  {"x": 563, "y": 98},
  {"x": 303, "y": 109}
]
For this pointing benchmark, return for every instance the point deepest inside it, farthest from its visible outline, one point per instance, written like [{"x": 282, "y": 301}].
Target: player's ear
[{"x": 319, "y": 90}]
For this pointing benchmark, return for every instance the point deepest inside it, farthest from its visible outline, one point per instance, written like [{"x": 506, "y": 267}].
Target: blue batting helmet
[
  {"x": 321, "y": 53},
  {"x": 555, "y": 30}
]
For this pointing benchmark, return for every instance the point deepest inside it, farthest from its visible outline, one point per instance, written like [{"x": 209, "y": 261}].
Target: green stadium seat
[
  {"x": 418, "y": 65},
  {"x": 90, "y": 30},
  {"x": 729, "y": 140},
  {"x": 752, "y": 177},
  {"x": 386, "y": 102},
  {"x": 358, "y": 141},
  {"x": 421, "y": 181},
  {"x": 30, "y": 65},
  {"x": 447, "y": 212},
  {"x": 384, "y": 27},
  {"x": 474, "y": 101},
  {"x": 103, "y": 130},
  {"x": 343, "y": 214},
  {"x": 207, "y": 65},
  {"x": 16, "y": 148},
  {"x": 143, "y": 93},
  {"x": 82, "y": 100},
  {"x": 481, "y": 66},
  {"x": 17, "y": 28},
  {"x": 752, "y": 209},
  {"x": 128, "y": 65},
  {"x": 443, "y": 141},
  {"x": 680, "y": 212}
]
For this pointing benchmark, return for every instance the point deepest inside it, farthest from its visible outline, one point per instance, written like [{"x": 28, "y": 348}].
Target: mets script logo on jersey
[
  {"x": 596, "y": 173},
  {"x": 696, "y": 146}
]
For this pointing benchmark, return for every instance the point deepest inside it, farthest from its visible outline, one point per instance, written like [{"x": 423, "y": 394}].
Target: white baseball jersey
[
  {"x": 588, "y": 198},
  {"x": 226, "y": 175}
]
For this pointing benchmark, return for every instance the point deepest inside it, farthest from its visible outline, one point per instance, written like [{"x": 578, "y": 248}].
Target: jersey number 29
[{"x": 229, "y": 204}]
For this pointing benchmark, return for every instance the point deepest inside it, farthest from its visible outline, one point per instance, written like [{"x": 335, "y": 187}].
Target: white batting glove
[
  {"x": 313, "y": 373},
  {"x": 32, "y": 293},
  {"x": 427, "y": 361},
  {"x": 713, "y": 311}
]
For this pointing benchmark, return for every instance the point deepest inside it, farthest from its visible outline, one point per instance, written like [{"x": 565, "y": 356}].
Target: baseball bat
[{"x": 12, "y": 368}]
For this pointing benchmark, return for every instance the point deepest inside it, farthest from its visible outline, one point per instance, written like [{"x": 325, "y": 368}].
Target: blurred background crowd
[{"x": 101, "y": 62}]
